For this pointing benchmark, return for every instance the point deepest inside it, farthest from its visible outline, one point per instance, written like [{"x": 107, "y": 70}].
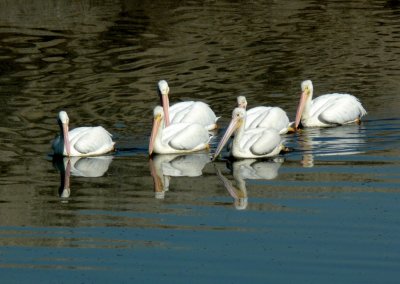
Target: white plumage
[
  {"x": 177, "y": 137},
  {"x": 250, "y": 143},
  {"x": 186, "y": 112},
  {"x": 81, "y": 141},
  {"x": 327, "y": 110},
  {"x": 265, "y": 117}
]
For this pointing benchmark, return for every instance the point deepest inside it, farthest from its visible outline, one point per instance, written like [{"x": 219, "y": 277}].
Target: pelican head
[
  {"x": 238, "y": 119},
  {"x": 307, "y": 86},
  {"x": 163, "y": 92},
  {"x": 242, "y": 102},
  {"x": 238, "y": 113},
  {"x": 63, "y": 120},
  {"x": 158, "y": 115},
  {"x": 158, "y": 112},
  {"x": 306, "y": 96},
  {"x": 63, "y": 117},
  {"x": 163, "y": 87}
]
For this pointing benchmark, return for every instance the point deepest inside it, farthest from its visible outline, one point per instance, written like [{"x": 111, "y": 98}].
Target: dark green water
[{"x": 328, "y": 212}]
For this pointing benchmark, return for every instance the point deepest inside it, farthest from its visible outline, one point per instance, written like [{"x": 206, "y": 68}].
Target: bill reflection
[
  {"x": 335, "y": 141},
  {"x": 246, "y": 169},
  {"x": 164, "y": 167},
  {"x": 80, "y": 167}
]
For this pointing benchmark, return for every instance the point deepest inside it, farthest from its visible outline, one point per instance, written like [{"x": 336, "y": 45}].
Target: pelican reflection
[
  {"x": 245, "y": 169},
  {"x": 163, "y": 167},
  {"x": 79, "y": 167},
  {"x": 344, "y": 140}
]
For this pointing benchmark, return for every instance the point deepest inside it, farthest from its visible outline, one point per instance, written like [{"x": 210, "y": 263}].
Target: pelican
[
  {"x": 177, "y": 137},
  {"x": 327, "y": 110},
  {"x": 250, "y": 143},
  {"x": 188, "y": 112},
  {"x": 265, "y": 117},
  {"x": 81, "y": 141}
]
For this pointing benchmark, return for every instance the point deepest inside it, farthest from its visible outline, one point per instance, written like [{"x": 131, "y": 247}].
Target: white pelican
[
  {"x": 81, "y": 141},
  {"x": 177, "y": 137},
  {"x": 327, "y": 110},
  {"x": 265, "y": 117},
  {"x": 250, "y": 143},
  {"x": 188, "y": 112}
]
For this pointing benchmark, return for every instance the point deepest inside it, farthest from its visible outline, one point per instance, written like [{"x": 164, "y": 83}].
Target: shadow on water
[
  {"x": 80, "y": 167},
  {"x": 337, "y": 141},
  {"x": 246, "y": 169},
  {"x": 326, "y": 212},
  {"x": 164, "y": 167}
]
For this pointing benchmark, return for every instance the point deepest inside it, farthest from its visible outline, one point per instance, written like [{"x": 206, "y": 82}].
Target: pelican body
[
  {"x": 177, "y": 137},
  {"x": 265, "y": 117},
  {"x": 327, "y": 110},
  {"x": 250, "y": 143},
  {"x": 186, "y": 112},
  {"x": 81, "y": 141}
]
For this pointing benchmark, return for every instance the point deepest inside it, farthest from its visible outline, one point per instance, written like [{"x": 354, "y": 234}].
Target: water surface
[{"x": 326, "y": 212}]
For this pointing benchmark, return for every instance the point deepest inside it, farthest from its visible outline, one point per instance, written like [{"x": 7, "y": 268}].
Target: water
[{"x": 326, "y": 212}]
